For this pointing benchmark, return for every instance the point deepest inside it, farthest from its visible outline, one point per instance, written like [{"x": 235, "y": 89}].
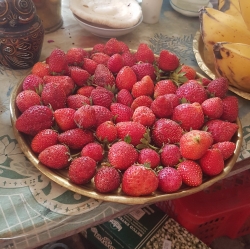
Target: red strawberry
[
  {"x": 188, "y": 72},
  {"x": 122, "y": 155},
  {"x": 79, "y": 75},
  {"x": 112, "y": 46},
  {"x": 163, "y": 87},
  {"x": 212, "y": 162},
  {"x": 166, "y": 131},
  {"x": 100, "y": 58},
  {"x": 221, "y": 130},
  {"x": 143, "y": 69},
  {"x": 94, "y": 151},
  {"x": 89, "y": 65},
  {"x": 168, "y": 61},
  {"x": 149, "y": 156},
  {"x": 26, "y": 99},
  {"x": 115, "y": 63},
  {"x": 124, "y": 97},
  {"x": 82, "y": 170},
  {"x": 170, "y": 155},
  {"x": 43, "y": 140},
  {"x": 230, "y": 108},
  {"x": 85, "y": 90},
  {"x": 139, "y": 180},
  {"x": 102, "y": 114},
  {"x": 173, "y": 98},
  {"x": 125, "y": 78},
  {"x": 191, "y": 173},
  {"x": 35, "y": 119},
  {"x": 40, "y": 69},
  {"x": 85, "y": 117},
  {"x": 142, "y": 101},
  {"x": 128, "y": 59},
  {"x": 226, "y": 148},
  {"x": 170, "y": 180},
  {"x": 143, "y": 87},
  {"x": 205, "y": 81},
  {"x": 121, "y": 112},
  {"x": 107, "y": 179},
  {"x": 218, "y": 87},
  {"x": 135, "y": 131},
  {"x": 76, "y": 101},
  {"x": 194, "y": 144},
  {"x": 103, "y": 77},
  {"x": 106, "y": 132},
  {"x": 144, "y": 54},
  {"x": 55, "y": 156},
  {"x": 123, "y": 47},
  {"x": 101, "y": 96},
  {"x": 76, "y": 138},
  {"x": 64, "y": 118},
  {"x": 32, "y": 82},
  {"x": 144, "y": 115},
  {"x": 192, "y": 91},
  {"x": 189, "y": 116},
  {"x": 53, "y": 95},
  {"x": 99, "y": 47},
  {"x": 58, "y": 62},
  {"x": 75, "y": 56},
  {"x": 212, "y": 107},
  {"x": 162, "y": 107}
]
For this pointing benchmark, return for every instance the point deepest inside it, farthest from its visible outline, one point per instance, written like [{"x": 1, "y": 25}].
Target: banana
[
  {"x": 232, "y": 61},
  {"x": 245, "y": 11},
  {"x": 231, "y": 7}
]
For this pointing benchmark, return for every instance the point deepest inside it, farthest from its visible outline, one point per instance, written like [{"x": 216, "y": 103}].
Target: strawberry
[
  {"x": 142, "y": 69},
  {"x": 122, "y": 155},
  {"x": 230, "y": 108},
  {"x": 64, "y": 118},
  {"x": 192, "y": 91},
  {"x": 173, "y": 99},
  {"x": 101, "y": 96},
  {"x": 226, "y": 148},
  {"x": 107, "y": 179},
  {"x": 162, "y": 107},
  {"x": 143, "y": 87},
  {"x": 35, "y": 119},
  {"x": 55, "y": 156},
  {"x": 58, "y": 62},
  {"x": 204, "y": 81},
  {"x": 43, "y": 140},
  {"x": 102, "y": 114},
  {"x": 189, "y": 116},
  {"x": 93, "y": 150},
  {"x": 99, "y": 47},
  {"x": 103, "y": 77},
  {"x": 135, "y": 131},
  {"x": 76, "y": 138},
  {"x": 170, "y": 180},
  {"x": 141, "y": 101},
  {"x": 168, "y": 61},
  {"x": 115, "y": 63},
  {"x": 85, "y": 90},
  {"x": 149, "y": 156},
  {"x": 100, "y": 58},
  {"x": 166, "y": 131},
  {"x": 188, "y": 72},
  {"x": 144, "y": 115},
  {"x": 128, "y": 59},
  {"x": 194, "y": 144},
  {"x": 218, "y": 87},
  {"x": 106, "y": 132},
  {"x": 123, "y": 47},
  {"x": 32, "y": 82},
  {"x": 26, "y": 99},
  {"x": 112, "y": 46},
  {"x": 144, "y": 54},
  {"x": 212, "y": 162},
  {"x": 191, "y": 173},
  {"x": 53, "y": 95},
  {"x": 121, "y": 112},
  {"x": 125, "y": 78},
  {"x": 139, "y": 180},
  {"x": 163, "y": 87},
  {"x": 75, "y": 56},
  {"x": 124, "y": 97},
  {"x": 76, "y": 101},
  {"x": 89, "y": 65},
  {"x": 40, "y": 69},
  {"x": 221, "y": 130},
  {"x": 79, "y": 75},
  {"x": 82, "y": 170},
  {"x": 170, "y": 155},
  {"x": 212, "y": 108},
  {"x": 85, "y": 117}
]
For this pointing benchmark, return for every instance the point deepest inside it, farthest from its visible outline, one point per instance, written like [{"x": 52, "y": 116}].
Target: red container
[{"x": 223, "y": 209}]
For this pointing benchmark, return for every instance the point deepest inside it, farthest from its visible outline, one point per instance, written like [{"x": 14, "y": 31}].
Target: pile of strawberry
[{"x": 127, "y": 120}]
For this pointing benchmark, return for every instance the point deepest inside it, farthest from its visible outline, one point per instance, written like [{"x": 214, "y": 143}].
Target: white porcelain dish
[{"x": 104, "y": 31}]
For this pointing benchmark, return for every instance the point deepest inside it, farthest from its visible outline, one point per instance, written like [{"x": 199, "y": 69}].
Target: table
[{"x": 33, "y": 209}]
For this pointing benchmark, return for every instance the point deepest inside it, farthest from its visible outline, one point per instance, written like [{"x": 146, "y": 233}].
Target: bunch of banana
[
  {"x": 231, "y": 7},
  {"x": 245, "y": 11}
]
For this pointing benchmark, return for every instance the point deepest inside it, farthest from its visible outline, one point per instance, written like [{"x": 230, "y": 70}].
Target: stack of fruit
[
  {"x": 226, "y": 36},
  {"x": 127, "y": 120}
]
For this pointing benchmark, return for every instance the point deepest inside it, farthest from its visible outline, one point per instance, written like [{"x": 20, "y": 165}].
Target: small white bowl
[{"x": 104, "y": 31}]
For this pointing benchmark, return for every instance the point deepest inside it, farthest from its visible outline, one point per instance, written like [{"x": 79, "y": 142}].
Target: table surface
[{"x": 33, "y": 209}]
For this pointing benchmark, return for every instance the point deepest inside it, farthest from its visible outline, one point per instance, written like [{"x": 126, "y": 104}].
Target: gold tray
[
  {"x": 205, "y": 63},
  {"x": 61, "y": 176}
]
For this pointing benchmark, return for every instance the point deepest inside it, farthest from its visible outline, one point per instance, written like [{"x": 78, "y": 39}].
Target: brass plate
[
  {"x": 205, "y": 62},
  {"x": 61, "y": 176}
]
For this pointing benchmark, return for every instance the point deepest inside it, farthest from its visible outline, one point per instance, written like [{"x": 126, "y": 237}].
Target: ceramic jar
[{"x": 21, "y": 34}]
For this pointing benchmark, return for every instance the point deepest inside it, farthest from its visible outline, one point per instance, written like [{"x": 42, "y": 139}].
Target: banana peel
[
  {"x": 231, "y": 7},
  {"x": 245, "y": 11}
]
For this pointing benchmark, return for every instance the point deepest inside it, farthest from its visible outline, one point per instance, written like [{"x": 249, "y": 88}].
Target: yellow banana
[
  {"x": 232, "y": 61},
  {"x": 231, "y": 7},
  {"x": 245, "y": 11}
]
